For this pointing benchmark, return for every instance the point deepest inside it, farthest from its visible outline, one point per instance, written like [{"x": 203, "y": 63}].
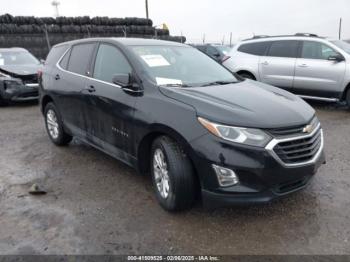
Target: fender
[{"x": 156, "y": 130}]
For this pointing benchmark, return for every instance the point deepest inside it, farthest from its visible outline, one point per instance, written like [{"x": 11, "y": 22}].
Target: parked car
[
  {"x": 215, "y": 51},
  {"x": 18, "y": 75},
  {"x": 305, "y": 64},
  {"x": 167, "y": 109}
]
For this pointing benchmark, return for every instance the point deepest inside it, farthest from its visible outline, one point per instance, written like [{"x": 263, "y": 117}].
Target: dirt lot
[{"x": 97, "y": 205}]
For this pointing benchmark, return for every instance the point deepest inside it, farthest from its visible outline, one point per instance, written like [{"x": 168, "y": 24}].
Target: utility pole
[
  {"x": 340, "y": 25},
  {"x": 55, "y": 3},
  {"x": 231, "y": 39},
  {"x": 203, "y": 38},
  {"x": 146, "y": 2}
]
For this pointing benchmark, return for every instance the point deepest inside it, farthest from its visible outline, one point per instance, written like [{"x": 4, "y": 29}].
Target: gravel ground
[{"x": 97, "y": 205}]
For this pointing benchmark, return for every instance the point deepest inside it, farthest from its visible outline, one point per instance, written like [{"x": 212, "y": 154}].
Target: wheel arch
[
  {"x": 144, "y": 147},
  {"x": 241, "y": 71},
  {"x": 346, "y": 90},
  {"x": 44, "y": 101}
]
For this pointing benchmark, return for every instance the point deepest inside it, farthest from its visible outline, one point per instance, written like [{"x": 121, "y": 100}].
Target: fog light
[{"x": 226, "y": 177}]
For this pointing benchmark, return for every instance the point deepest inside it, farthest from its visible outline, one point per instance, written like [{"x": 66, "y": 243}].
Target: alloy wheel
[
  {"x": 161, "y": 173},
  {"x": 52, "y": 124}
]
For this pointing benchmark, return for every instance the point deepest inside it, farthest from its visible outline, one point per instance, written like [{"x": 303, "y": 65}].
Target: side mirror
[
  {"x": 122, "y": 80},
  {"x": 127, "y": 82},
  {"x": 336, "y": 58}
]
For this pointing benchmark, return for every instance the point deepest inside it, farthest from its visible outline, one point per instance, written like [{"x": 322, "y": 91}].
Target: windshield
[
  {"x": 343, "y": 45},
  {"x": 181, "y": 66},
  {"x": 224, "y": 49},
  {"x": 17, "y": 58}
]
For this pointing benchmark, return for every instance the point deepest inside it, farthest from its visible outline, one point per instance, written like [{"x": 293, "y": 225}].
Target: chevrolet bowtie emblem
[{"x": 308, "y": 129}]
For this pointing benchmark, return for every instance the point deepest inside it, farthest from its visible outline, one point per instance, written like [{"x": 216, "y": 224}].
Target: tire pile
[{"x": 37, "y": 34}]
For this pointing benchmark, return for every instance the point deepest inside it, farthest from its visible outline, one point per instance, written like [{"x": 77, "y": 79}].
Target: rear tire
[
  {"x": 172, "y": 175},
  {"x": 347, "y": 98},
  {"x": 3, "y": 102},
  {"x": 247, "y": 75},
  {"x": 54, "y": 126}
]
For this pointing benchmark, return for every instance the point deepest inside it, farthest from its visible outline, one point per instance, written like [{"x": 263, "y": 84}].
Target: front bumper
[
  {"x": 16, "y": 91},
  {"x": 262, "y": 177}
]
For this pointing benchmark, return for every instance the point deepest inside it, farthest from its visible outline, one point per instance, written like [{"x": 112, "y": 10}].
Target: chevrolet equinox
[{"x": 167, "y": 109}]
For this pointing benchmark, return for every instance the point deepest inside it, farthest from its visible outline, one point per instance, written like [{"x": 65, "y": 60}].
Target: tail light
[{"x": 225, "y": 58}]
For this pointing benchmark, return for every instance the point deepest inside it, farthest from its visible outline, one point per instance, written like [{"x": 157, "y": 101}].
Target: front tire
[
  {"x": 54, "y": 126},
  {"x": 172, "y": 175}
]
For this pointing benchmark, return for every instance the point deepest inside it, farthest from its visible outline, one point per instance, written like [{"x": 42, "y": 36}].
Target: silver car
[{"x": 305, "y": 64}]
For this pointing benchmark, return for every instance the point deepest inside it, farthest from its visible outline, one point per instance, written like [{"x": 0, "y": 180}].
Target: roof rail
[
  {"x": 257, "y": 37},
  {"x": 297, "y": 34},
  {"x": 260, "y": 36},
  {"x": 306, "y": 34}
]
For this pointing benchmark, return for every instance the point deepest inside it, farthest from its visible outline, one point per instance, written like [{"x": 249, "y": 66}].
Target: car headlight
[{"x": 242, "y": 135}]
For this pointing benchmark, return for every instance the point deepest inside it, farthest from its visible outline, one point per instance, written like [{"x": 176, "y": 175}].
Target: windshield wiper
[
  {"x": 175, "y": 85},
  {"x": 217, "y": 83}
]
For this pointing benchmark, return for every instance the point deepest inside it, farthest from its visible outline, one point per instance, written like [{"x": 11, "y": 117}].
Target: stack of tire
[{"x": 38, "y": 34}]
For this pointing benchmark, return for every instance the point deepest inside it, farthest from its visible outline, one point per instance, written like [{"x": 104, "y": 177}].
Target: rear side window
[
  {"x": 287, "y": 48},
  {"x": 55, "y": 54},
  {"x": 64, "y": 61},
  {"x": 254, "y": 48},
  {"x": 110, "y": 61},
  {"x": 80, "y": 58}
]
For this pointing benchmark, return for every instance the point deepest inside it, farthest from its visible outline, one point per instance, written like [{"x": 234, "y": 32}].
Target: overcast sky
[{"x": 214, "y": 18}]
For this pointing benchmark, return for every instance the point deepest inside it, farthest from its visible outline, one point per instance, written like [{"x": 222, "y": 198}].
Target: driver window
[
  {"x": 110, "y": 61},
  {"x": 315, "y": 50}
]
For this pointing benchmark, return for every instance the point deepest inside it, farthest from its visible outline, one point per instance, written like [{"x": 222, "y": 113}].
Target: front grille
[
  {"x": 29, "y": 79},
  {"x": 299, "y": 150},
  {"x": 292, "y": 131},
  {"x": 287, "y": 131}
]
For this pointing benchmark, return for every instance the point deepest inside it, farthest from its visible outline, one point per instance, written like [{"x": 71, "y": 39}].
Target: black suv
[
  {"x": 169, "y": 110},
  {"x": 18, "y": 75}
]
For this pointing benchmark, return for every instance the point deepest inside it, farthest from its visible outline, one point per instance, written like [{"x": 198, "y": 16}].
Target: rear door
[
  {"x": 315, "y": 75},
  {"x": 110, "y": 109},
  {"x": 277, "y": 67},
  {"x": 71, "y": 78}
]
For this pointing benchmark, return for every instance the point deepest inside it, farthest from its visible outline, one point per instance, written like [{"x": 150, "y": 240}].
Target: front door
[
  {"x": 315, "y": 75},
  {"x": 110, "y": 109}
]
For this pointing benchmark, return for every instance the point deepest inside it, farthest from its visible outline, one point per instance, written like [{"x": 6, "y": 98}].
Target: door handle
[
  {"x": 303, "y": 65},
  {"x": 57, "y": 77},
  {"x": 90, "y": 89},
  {"x": 265, "y": 63}
]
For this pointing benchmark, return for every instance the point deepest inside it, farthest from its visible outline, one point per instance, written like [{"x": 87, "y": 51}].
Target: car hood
[
  {"x": 246, "y": 104},
  {"x": 20, "y": 70}
]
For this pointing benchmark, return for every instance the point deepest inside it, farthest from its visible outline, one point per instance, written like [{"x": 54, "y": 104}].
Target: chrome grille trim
[{"x": 271, "y": 146}]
